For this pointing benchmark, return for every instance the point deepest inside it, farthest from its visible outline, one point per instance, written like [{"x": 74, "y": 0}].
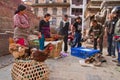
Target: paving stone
[
  {"x": 68, "y": 68},
  {"x": 6, "y": 60},
  {"x": 93, "y": 77},
  {"x": 58, "y": 78}
]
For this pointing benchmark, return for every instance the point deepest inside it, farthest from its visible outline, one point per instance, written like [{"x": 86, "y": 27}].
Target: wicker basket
[{"x": 29, "y": 70}]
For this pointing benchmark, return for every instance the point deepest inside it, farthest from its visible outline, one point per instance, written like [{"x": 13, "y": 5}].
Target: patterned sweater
[{"x": 21, "y": 26}]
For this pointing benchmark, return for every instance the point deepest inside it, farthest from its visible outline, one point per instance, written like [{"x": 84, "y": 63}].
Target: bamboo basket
[{"x": 29, "y": 70}]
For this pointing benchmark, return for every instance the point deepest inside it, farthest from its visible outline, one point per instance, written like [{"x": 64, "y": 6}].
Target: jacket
[
  {"x": 64, "y": 27},
  {"x": 98, "y": 31}
]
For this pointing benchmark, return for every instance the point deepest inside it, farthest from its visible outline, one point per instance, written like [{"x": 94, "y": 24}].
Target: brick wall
[{"x": 7, "y": 9}]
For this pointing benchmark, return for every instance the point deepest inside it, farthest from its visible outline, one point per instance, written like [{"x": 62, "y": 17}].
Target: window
[
  {"x": 54, "y": 11},
  {"x": 64, "y": 11},
  {"x": 36, "y": 1},
  {"x": 77, "y": 2},
  {"x": 73, "y": 11},
  {"x": 54, "y": 21},
  {"x": 64, "y": 1},
  {"x": 36, "y": 11},
  {"x": 88, "y": 1},
  {"x": 50, "y": 1},
  {"x": 76, "y": 11},
  {"x": 47, "y": 1},
  {"x": 44, "y": 10}
]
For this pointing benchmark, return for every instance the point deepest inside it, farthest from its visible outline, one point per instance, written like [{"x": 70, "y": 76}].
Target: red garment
[
  {"x": 116, "y": 37},
  {"x": 21, "y": 41}
]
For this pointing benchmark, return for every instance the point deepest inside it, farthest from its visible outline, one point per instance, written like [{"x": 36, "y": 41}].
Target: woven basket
[{"x": 29, "y": 70}]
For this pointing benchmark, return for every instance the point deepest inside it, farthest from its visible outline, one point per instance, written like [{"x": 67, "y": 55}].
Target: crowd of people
[
  {"x": 112, "y": 31},
  {"x": 107, "y": 24},
  {"x": 109, "y": 27}
]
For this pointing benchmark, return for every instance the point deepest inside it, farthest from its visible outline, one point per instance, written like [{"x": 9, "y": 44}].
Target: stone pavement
[
  {"x": 68, "y": 68},
  {"x": 5, "y": 73},
  {"x": 6, "y": 60}
]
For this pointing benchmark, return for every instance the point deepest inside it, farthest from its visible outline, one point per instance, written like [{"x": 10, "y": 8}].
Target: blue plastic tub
[{"x": 82, "y": 52}]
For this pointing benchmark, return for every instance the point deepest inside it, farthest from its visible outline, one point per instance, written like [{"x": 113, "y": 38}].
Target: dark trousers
[
  {"x": 77, "y": 39},
  {"x": 118, "y": 50},
  {"x": 110, "y": 38},
  {"x": 100, "y": 44},
  {"x": 65, "y": 39},
  {"x": 114, "y": 44}
]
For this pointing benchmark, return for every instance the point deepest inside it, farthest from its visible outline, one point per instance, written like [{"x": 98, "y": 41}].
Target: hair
[
  {"x": 95, "y": 21},
  {"x": 79, "y": 18},
  {"x": 47, "y": 15},
  {"x": 66, "y": 16},
  {"x": 16, "y": 12},
  {"x": 21, "y": 7}
]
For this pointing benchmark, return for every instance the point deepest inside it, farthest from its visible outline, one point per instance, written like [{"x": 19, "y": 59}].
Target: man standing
[
  {"x": 77, "y": 26},
  {"x": 116, "y": 37},
  {"x": 97, "y": 31},
  {"x": 64, "y": 27},
  {"x": 109, "y": 32}
]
